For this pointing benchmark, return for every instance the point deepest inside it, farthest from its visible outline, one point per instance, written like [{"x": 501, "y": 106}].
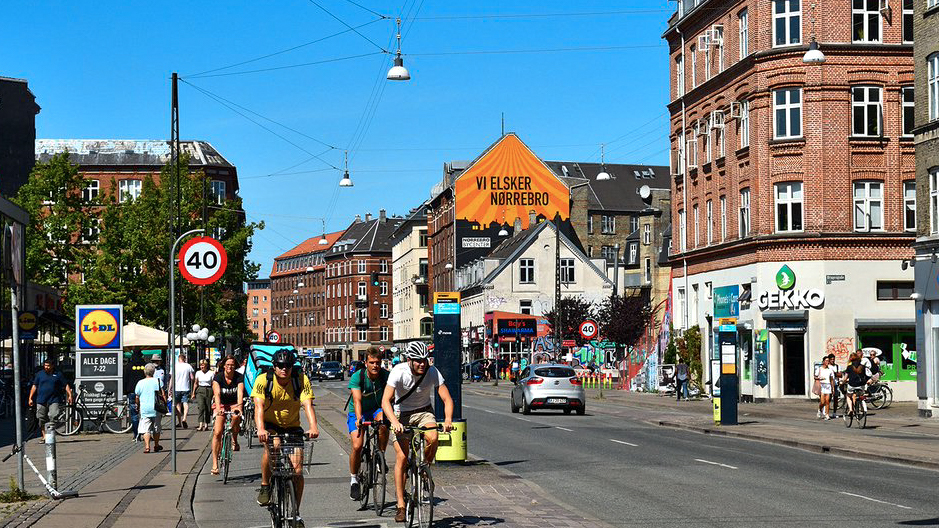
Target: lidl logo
[
  {"x": 99, "y": 327},
  {"x": 785, "y": 279}
]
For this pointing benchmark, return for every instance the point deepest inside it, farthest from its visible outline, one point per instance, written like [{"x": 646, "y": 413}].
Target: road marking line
[
  {"x": 564, "y": 428},
  {"x": 488, "y": 411},
  {"x": 875, "y": 500},
  {"x": 715, "y": 463},
  {"x": 524, "y": 419},
  {"x": 624, "y": 443}
]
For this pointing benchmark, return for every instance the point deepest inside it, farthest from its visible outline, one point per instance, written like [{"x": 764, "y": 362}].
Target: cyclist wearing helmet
[
  {"x": 278, "y": 404},
  {"x": 407, "y": 402}
]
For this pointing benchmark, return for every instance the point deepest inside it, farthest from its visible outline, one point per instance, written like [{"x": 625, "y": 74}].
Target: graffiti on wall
[{"x": 841, "y": 347}]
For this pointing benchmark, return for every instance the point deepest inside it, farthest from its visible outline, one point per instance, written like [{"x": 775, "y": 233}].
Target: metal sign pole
[{"x": 17, "y": 381}]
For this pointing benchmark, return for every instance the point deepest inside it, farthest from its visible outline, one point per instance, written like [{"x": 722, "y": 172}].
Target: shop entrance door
[{"x": 793, "y": 354}]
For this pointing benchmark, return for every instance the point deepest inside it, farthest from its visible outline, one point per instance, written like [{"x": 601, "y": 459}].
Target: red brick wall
[{"x": 338, "y": 275}]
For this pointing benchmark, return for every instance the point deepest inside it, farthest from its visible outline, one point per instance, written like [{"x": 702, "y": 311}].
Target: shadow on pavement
[
  {"x": 509, "y": 462},
  {"x": 921, "y": 522},
  {"x": 468, "y": 521},
  {"x": 141, "y": 488}
]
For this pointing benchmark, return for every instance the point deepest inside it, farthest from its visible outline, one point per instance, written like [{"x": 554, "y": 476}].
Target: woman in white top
[
  {"x": 202, "y": 394},
  {"x": 825, "y": 375}
]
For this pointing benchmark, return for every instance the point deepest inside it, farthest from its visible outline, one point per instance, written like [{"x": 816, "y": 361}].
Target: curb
[{"x": 187, "y": 518}]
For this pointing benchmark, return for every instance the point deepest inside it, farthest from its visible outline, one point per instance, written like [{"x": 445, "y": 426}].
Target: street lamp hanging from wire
[
  {"x": 398, "y": 72},
  {"x": 346, "y": 181}
]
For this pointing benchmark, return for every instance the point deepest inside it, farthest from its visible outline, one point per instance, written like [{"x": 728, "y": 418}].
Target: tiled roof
[
  {"x": 310, "y": 245},
  {"x": 368, "y": 236},
  {"x": 621, "y": 192},
  {"x": 135, "y": 152}
]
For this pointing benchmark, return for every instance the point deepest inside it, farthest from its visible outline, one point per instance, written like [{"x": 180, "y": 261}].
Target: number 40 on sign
[{"x": 202, "y": 260}]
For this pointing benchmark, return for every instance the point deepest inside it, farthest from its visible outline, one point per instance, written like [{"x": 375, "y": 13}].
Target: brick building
[
  {"x": 298, "y": 294},
  {"x": 359, "y": 288},
  {"x": 259, "y": 307},
  {"x": 926, "y": 137},
  {"x": 792, "y": 202},
  {"x": 18, "y": 110}
]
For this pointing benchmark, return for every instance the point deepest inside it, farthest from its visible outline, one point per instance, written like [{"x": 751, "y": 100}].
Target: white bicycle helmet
[{"x": 416, "y": 350}]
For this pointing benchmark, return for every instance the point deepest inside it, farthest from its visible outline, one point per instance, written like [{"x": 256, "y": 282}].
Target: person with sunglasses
[{"x": 278, "y": 405}]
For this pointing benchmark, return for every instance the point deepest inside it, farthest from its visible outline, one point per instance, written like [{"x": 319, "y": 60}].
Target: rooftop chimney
[
  {"x": 517, "y": 226},
  {"x": 532, "y": 218},
  {"x": 358, "y": 218},
  {"x": 368, "y": 216},
  {"x": 381, "y": 215}
]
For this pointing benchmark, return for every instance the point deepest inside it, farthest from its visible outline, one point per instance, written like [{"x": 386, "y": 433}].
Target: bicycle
[
  {"x": 419, "y": 500},
  {"x": 858, "y": 411},
  {"x": 880, "y": 395},
  {"x": 248, "y": 427},
  {"x": 6, "y": 400},
  {"x": 113, "y": 416},
  {"x": 372, "y": 468},
  {"x": 224, "y": 454},
  {"x": 283, "y": 506}
]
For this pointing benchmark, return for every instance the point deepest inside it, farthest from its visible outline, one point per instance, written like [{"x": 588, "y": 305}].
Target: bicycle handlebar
[{"x": 16, "y": 449}]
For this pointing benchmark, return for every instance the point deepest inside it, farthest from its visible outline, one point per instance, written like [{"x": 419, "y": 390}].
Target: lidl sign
[{"x": 99, "y": 327}]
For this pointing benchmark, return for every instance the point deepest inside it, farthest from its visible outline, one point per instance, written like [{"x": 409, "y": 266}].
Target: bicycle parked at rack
[
  {"x": 286, "y": 451},
  {"x": 372, "y": 468},
  {"x": 224, "y": 454},
  {"x": 113, "y": 416},
  {"x": 859, "y": 410},
  {"x": 880, "y": 395},
  {"x": 419, "y": 492}
]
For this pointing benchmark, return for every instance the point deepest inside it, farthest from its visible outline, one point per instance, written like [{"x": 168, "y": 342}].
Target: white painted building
[{"x": 411, "y": 312}]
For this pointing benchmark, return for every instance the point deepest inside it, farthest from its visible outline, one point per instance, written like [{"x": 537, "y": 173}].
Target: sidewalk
[
  {"x": 118, "y": 484},
  {"x": 896, "y": 434}
]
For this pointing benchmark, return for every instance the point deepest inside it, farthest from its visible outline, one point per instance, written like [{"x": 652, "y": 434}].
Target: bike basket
[{"x": 285, "y": 456}]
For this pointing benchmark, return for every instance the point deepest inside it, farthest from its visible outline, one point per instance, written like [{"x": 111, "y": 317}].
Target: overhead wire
[
  {"x": 291, "y": 66},
  {"x": 545, "y": 15},
  {"x": 541, "y": 50},
  {"x": 376, "y": 13},
  {"x": 343, "y": 22}
]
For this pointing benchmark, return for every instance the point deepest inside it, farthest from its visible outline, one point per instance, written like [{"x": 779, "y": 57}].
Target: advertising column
[
  {"x": 727, "y": 309},
  {"x": 447, "y": 359},
  {"x": 99, "y": 358}
]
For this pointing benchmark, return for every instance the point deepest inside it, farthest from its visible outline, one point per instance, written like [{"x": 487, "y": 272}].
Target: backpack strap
[{"x": 412, "y": 389}]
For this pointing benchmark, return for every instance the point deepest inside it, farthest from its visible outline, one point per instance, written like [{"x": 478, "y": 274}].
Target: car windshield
[
  {"x": 554, "y": 372},
  {"x": 332, "y": 364}
]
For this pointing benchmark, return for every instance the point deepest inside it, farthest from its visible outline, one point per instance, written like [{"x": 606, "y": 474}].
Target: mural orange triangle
[{"x": 506, "y": 183}]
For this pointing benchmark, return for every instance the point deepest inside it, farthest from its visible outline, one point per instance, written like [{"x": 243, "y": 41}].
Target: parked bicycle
[
  {"x": 858, "y": 411},
  {"x": 419, "y": 497},
  {"x": 286, "y": 452},
  {"x": 113, "y": 416},
  {"x": 372, "y": 469},
  {"x": 224, "y": 455},
  {"x": 880, "y": 395}
]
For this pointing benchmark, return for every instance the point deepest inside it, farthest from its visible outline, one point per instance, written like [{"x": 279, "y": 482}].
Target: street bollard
[{"x": 51, "y": 473}]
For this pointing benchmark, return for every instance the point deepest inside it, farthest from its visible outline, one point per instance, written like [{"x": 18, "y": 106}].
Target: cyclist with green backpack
[{"x": 367, "y": 386}]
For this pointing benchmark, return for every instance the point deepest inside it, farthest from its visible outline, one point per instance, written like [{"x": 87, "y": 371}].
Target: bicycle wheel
[
  {"x": 69, "y": 421},
  {"x": 288, "y": 502},
  {"x": 225, "y": 455},
  {"x": 862, "y": 417},
  {"x": 888, "y": 396},
  {"x": 410, "y": 494},
  {"x": 364, "y": 477},
  {"x": 273, "y": 506},
  {"x": 379, "y": 482},
  {"x": 117, "y": 419},
  {"x": 848, "y": 418},
  {"x": 425, "y": 498}
]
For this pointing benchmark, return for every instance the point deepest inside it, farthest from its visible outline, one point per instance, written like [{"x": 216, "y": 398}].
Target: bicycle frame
[{"x": 283, "y": 505}]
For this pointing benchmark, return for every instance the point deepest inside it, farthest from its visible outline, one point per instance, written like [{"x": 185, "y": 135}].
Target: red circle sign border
[
  {"x": 596, "y": 329},
  {"x": 223, "y": 257},
  {"x": 273, "y": 333}
]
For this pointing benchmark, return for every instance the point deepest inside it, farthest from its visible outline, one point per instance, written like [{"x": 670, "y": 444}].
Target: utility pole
[{"x": 558, "y": 319}]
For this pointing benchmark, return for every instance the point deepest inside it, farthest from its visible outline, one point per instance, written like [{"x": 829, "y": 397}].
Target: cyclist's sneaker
[
  {"x": 298, "y": 522},
  {"x": 355, "y": 491},
  {"x": 818, "y": 414},
  {"x": 425, "y": 497},
  {"x": 399, "y": 515},
  {"x": 264, "y": 495}
]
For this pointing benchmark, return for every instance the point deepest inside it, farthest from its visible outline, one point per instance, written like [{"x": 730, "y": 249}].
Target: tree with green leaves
[
  {"x": 689, "y": 348},
  {"x": 624, "y": 319},
  {"x": 574, "y": 310}
]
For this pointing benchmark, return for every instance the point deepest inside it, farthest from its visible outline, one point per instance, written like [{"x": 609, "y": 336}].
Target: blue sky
[{"x": 101, "y": 70}]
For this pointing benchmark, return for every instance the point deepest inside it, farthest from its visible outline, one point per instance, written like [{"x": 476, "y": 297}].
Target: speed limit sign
[
  {"x": 202, "y": 260},
  {"x": 588, "y": 329},
  {"x": 273, "y": 337}
]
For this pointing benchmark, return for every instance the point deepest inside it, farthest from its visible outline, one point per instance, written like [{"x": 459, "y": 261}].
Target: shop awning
[
  {"x": 778, "y": 315},
  {"x": 884, "y": 323}
]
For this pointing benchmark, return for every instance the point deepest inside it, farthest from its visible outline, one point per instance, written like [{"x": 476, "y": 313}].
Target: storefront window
[{"x": 898, "y": 352}]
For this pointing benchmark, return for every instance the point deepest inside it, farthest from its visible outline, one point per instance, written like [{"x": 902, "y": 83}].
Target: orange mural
[{"x": 506, "y": 183}]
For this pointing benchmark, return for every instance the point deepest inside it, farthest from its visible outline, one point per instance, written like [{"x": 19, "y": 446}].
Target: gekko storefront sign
[
  {"x": 99, "y": 327},
  {"x": 787, "y": 297}
]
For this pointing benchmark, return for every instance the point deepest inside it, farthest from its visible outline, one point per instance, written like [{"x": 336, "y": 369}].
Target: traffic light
[{"x": 374, "y": 278}]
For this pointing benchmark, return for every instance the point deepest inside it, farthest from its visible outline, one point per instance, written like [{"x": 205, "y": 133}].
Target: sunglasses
[{"x": 283, "y": 365}]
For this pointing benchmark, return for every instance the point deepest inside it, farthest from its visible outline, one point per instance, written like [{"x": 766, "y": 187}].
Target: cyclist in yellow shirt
[{"x": 278, "y": 403}]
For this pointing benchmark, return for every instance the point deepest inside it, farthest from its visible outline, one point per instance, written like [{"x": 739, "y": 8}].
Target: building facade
[
  {"x": 17, "y": 134},
  {"x": 259, "y": 308},
  {"x": 926, "y": 138},
  {"x": 412, "y": 318},
  {"x": 359, "y": 287},
  {"x": 793, "y": 202}
]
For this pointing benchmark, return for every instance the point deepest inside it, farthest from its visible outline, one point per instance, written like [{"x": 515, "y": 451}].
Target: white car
[{"x": 548, "y": 386}]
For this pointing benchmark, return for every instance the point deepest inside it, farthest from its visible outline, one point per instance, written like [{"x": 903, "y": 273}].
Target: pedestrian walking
[
  {"x": 133, "y": 372},
  {"x": 202, "y": 394},
  {"x": 681, "y": 380},
  {"x": 836, "y": 387},
  {"x": 825, "y": 377},
  {"x": 46, "y": 393},
  {"x": 147, "y": 392},
  {"x": 182, "y": 385}
]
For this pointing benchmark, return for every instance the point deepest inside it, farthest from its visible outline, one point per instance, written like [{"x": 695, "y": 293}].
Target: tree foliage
[
  {"x": 127, "y": 262},
  {"x": 624, "y": 318},
  {"x": 574, "y": 311},
  {"x": 689, "y": 348}
]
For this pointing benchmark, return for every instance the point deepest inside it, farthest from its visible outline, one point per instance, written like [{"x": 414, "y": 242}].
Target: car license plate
[{"x": 557, "y": 400}]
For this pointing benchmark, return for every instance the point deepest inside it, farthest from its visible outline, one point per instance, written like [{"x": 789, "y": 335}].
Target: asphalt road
[{"x": 629, "y": 473}]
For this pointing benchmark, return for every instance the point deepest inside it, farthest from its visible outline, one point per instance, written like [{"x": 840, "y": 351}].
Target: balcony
[
  {"x": 361, "y": 321},
  {"x": 419, "y": 280}
]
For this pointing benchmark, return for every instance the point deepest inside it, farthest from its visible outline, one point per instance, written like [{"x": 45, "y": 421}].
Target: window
[
  {"x": 708, "y": 136},
  {"x": 422, "y": 238},
  {"x": 909, "y": 205},
  {"x": 788, "y": 207},
  {"x": 680, "y": 305},
  {"x": 787, "y": 22},
  {"x": 607, "y": 224},
  {"x": 361, "y": 335},
  {"x": 382, "y": 288},
  {"x": 866, "y": 114},
  {"x": 383, "y": 266},
  {"x": 707, "y": 62},
  {"x": 608, "y": 253},
  {"x": 647, "y": 234},
  {"x": 744, "y": 34},
  {"x": 907, "y": 20},
  {"x": 694, "y": 66},
  {"x": 787, "y": 113},
  {"x": 647, "y": 274},
  {"x": 524, "y": 306},
  {"x": 694, "y": 211},
  {"x": 361, "y": 289},
  {"x": 128, "y": 190},
  {"x": 679, "y": 76},
  {"x": 743, "y": 125},
  {"x": 633, "y": 254},
  {"x": 383, "y": 333},
  {"x": 709, "y": 218},
  {"x": 362, "y": 266},
  {"x": 744, "y": 220},
  {"x": 633, "y": 223},
  {"x": 718, "y": 34},
  {"x": 680, "y": 137},
  {"x": 932, "y": 85},
  {"x": 90, "y": 192},
  {"x": 383, "y": 311},
  {"x": 254, "y": 312},
  {"x": 721, "y": 144},
  {"x": 931, "y": 3},
  {"x": 868, "y": 206},
  {"x": 934, "y": 200},
  {"x": 692, "y": 150},
  {"x": 894, "y": 290},
  {"x": 255, "y": 299},
  {"x": 589, "y": 224},
  {"x": 90, "y": 233},
  {"x": 526, "y": 271},
  {"x": 909, "y": 116},
  {"x": 723, "y": 218},
  {"x": 682, "y": 231},
  {"x": 865, "y": 20},
  {"x": 567, "y": 270},
  {"x": 218, "y": 191}
]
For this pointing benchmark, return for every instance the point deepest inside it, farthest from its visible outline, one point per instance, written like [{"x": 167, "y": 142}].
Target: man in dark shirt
[{"x": 46, "y": 393}]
